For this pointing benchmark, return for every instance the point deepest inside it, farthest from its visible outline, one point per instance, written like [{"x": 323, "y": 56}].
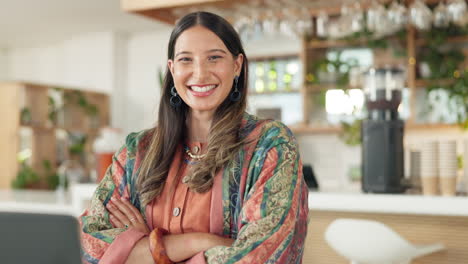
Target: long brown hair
[{"x": 170, "y": 131}]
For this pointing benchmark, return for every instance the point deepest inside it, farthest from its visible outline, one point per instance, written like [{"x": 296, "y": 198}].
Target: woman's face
[{"x": 203, "y": 69}]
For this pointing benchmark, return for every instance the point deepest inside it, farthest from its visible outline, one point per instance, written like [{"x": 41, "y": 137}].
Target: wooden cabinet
[{"x": 39, "y": 123}]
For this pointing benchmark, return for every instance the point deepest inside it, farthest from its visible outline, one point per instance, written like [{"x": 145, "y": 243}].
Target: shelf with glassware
[
  {"x": 170, "y": 11},
  {"x": 326, "y": 80},
  {"x": 279, "y": 92},
  {"x": 275, "y": 87},
  {"x": 45, "y": 126},
  {"x": 274, "y": 74},
  {"x": 418, "y": 87}
]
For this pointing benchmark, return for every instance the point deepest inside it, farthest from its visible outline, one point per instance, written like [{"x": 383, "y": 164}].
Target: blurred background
[
  {"x": 69, "y": 69},
  {"x": 77, "y": 76}
]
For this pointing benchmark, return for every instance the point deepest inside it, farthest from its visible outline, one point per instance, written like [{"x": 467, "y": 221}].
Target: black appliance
[{"x": 382, "y": 132}]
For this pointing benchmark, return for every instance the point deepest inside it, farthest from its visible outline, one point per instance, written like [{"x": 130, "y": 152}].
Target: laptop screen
[{"x": 27, "y": 238}]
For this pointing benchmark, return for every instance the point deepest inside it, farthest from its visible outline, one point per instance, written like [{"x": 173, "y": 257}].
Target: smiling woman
[
  {"x": 209, "y": 183},
  {"x": 203, "y": 69}
]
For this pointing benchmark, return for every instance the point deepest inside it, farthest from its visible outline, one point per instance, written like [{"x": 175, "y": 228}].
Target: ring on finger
[{"x": 126, "y": 226}]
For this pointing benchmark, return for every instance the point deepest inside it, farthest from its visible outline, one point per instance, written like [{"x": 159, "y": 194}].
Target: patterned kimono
[{"x": 259, "y": 199}]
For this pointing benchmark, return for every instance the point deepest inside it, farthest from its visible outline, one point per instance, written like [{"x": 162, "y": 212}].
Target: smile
[{"x": 202, "y": 90}]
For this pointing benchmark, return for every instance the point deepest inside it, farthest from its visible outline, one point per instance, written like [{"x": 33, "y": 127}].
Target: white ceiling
[{"x": 32, "y": 23}]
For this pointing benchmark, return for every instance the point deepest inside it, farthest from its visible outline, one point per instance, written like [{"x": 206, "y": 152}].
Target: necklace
[{"x": 193, "y": 156}]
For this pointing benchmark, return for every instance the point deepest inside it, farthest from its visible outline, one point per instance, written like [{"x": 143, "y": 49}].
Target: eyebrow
[{"x": 211, "y": 50}]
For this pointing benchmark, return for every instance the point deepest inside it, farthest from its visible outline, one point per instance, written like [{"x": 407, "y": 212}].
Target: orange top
[{"x": 178, "y": 209}]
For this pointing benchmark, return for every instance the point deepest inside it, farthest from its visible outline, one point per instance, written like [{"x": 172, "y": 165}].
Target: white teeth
[{"x": 203, "y": 89}]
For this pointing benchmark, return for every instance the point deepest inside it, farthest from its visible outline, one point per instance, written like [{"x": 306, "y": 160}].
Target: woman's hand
[{"x": 124, "y": 215}]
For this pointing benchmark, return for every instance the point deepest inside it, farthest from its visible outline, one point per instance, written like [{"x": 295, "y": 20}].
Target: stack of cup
[
  {"x": 415, "y": 168},
  {"x": 430, "y": 168},
  {"x": 448, "y": 167},
  {"x": 465, "y": 165}
]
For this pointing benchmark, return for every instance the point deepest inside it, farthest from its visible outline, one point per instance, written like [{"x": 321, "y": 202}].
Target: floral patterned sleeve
[
  {"x": 101, "y": 242},
  {"x": 273, "y": 219}
]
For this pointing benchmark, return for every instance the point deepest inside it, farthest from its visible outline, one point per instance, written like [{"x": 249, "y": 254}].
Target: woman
[{"x": 210, "y": 183}]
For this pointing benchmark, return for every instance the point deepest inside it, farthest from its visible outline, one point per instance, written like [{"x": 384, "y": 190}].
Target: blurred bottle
[
  {"x": 272, "y": 77},
  {"x": 104, "y": 148},
  {"x": 260, "y": 77},
  {"x": 281, "y": 70}
]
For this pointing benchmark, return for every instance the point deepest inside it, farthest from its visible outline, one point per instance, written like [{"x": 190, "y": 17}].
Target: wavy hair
[{"x": 223, "y": 140}]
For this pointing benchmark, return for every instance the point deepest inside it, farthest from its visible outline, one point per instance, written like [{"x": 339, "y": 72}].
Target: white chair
[{"x": 371, "y": 242}]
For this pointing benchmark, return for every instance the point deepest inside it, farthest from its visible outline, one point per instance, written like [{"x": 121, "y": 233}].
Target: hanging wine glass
[
  {"x": 240, "y": 22},
  {"x": 441, "y": 15},
  {"x": 322, "y": 24},
  {"x": 357, "y": 17},
  {"x": 270, "y": 22},
  {"x": 420, "y": 15},
  {"x": 376, "y": 15},
  {"x": 352, "y": 18},
  {"x": 247, "y": 23},
  {"x": 287, "y": 24},
  {"x": 338, "y": 28},
  {"x": 380, "y": 22},
  {"x": 241, "y": 25},
  {"x": 344, "y": 22},
  {"x": 457, "y": 11},
  {"x": 256, "y": 25},
  {"x": 304, "y": 25},
  {"x": 397, "y": 15}
]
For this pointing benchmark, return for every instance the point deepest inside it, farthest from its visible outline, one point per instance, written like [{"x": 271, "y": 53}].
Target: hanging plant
[
  {"x": 452, "y": 58},
  {"x": 460, "y": 90}
]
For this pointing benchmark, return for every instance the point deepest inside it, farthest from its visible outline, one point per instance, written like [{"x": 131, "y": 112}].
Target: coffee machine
[{"x": 382, "y": 131}]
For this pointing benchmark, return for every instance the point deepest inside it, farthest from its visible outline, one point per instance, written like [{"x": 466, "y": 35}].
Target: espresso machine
[{"x": 382, "y": 131}]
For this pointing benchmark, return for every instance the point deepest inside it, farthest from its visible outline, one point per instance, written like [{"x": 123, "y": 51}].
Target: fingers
[
  {"x": 134, "y": 210},
  {"x": 116, "y": 222},
  {"x": 117, "y": 215},
  {"x": 124, "y": 215},
  {"x": 124, "y": 209}
]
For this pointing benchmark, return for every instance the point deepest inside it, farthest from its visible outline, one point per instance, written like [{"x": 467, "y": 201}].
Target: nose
[{"x": 200, "y": 71}]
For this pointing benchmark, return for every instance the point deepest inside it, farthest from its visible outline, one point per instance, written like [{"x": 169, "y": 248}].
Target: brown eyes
[
  {"x": 210, "y": 58},
  {"x": 214, "y": 57}
]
